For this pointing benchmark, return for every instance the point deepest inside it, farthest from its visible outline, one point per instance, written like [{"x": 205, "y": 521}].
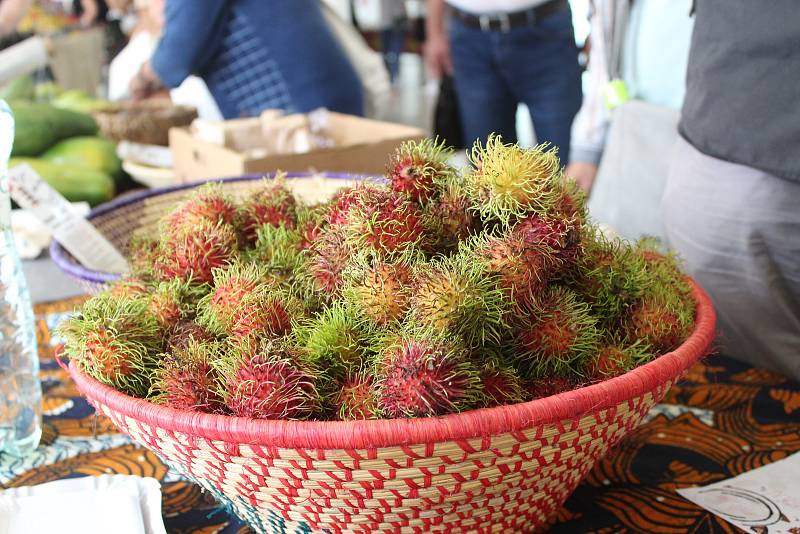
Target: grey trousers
[{"x": 738, "y": 230}]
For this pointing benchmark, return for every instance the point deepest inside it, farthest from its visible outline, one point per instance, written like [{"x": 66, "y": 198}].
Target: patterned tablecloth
[{"x": 723, "y": 419}]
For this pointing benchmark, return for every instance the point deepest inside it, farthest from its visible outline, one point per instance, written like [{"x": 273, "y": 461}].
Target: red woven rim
[{"x": 397, "y": 432}]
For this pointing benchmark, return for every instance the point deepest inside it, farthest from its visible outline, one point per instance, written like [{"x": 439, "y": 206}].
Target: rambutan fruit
[
  {"x": 610, "y": 275},
  {"x": 501, "y": 385},
  {"x": 115, "y": 340},
  {"x": 661, "y": 322},
  {"x": 187, "y": 380},
  {"x": 343, "y": 201},
  {"x": 142, "y": 252},
  {"x": 328, "y": 257},
  {"x": 130, "y": 286},
  {"x": 207, "y": 205},
  {"x": 557, "y": 335},
  {"x": 457, "y": 295},
  {"x": 278, "y": 250},
  {"x": 185, "y": 332},
  {"x": 509, "y": 181},
  {"x": 356, "y": 398},
  {"x": 420, "y": 376},
  {"x": 560, "y": 238},
  {"x": 267, "y": 383},
  {"x": 548, "y": 386},
  {"x": 416, "y": 167},
  {"x": 379, "y": 290},
  {"x": 229, "y": 288},
  {"x": 384, "y": 221},
  {"x": 311, "y": 221},
  {"x": 334, "y": 339},
  {"x": 174, "y": 300},
  {"x": 264, "y": 314},
  {"x": 451, "y": 218},
  {"x": 615, "y": 358},
  {"x": 191, "y": 254},
  {"x": 273, "y": 205}
]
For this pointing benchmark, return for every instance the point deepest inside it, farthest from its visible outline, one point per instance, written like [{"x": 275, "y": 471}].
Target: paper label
[
  {"x": 764, "y": 500},
  {"x": 75, "y": 233},
  {"x": 152, "y": 155}
]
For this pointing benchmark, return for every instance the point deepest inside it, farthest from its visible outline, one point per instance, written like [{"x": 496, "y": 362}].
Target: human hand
[
  {"x": 583, "y": 173},
  {"x": 437, "y": 55},
  {"x": 145, "y": 83}
]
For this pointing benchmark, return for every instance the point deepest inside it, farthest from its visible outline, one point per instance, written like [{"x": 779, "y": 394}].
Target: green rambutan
[
  {"x": 278, "y": 249},
  {"x": 420, "y": 376},
  {"x": 501, "y": 385},
  {"x": 334, "y": 339},
  {"x": 380, "y": 290},
  {"x": 457, "y": 295},
  {"x": 185, "y": 332},
  {"x": 384, "y": 221},
  {"x": 191, "y": 254},
  {"x": 187, "y": 380},
  {"x": 142, "y": 252},
  {"x": 130, "y": 286},
  {"x": 115, "y": 340},
  {"x": 416, "y": 167},
  {"x": 614, "y": 358},
  {"x": 207, "y": 205},
  {"x": 267, "y": 383},
  {"x": 557, "y": 334},
  {"x": 174, "y": 300},
  {"x": 509, "y": 181},
  {"x": 311, "y": 221},
  {"x": 272, "y": 205},
  {"x": 661, "y": 322},
  {"x": 356, "y": 398}
]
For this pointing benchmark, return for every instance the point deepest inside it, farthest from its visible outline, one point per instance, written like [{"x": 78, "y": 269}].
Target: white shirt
[{"x": 480, "y": 7}]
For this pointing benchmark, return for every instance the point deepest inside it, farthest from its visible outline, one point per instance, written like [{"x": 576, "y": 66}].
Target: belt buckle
[{"x": 485, "y": 23}]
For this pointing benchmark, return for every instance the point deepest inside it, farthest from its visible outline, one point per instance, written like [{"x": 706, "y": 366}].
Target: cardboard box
[{"x": 362, "y": 146}]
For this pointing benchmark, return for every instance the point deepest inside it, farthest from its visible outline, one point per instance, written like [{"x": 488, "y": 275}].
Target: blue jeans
[{"x": 536, "y": 65}]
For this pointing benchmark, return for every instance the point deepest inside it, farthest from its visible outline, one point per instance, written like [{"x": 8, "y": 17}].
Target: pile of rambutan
[{"x": 428, "y": 292}]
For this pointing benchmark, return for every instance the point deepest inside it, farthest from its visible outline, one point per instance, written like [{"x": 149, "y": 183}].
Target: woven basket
[
  {"x": 119, "y": 219},
  {"x": 504, "y": 469},
  {"x": 145, "y": 122}
]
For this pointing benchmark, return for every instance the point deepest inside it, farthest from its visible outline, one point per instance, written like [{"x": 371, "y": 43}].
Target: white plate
[{"x": 150, "y": 176}]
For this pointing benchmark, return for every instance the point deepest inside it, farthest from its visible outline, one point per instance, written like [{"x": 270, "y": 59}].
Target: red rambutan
[
  {"x": 208, "y": 204},
  {"x": 550, "y": 385},
  {"x": 415, "y": 168},
  {"x": 328, "y": 258},
  {"x": 501, "y": 385},
  {"x": 385, "y": 222},
  {"x": 424, "y": 377},
  {"x": 355, "y": 399},
  {"x": 273, "y": 205},
  {"x": 267, "y": 384},
  {"x": 379, "y": 290},
  {"x": 192, "y": 254},
  {"x": 662, "y": 327},
  {"x": 187, "y": 380},
  {"x": 452, "y": 218},
  {"x": 615, "y": 358},
  {"x": 184, "y": 332}
]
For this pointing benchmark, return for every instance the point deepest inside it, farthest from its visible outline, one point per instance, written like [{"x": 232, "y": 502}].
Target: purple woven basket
[{"x": 119, "y": 219}]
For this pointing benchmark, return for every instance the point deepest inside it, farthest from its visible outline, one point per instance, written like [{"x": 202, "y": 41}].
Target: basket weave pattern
[{"x": 505, "y": 469}]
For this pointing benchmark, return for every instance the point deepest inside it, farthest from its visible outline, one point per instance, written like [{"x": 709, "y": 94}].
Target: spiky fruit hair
[
  {"x": 142, "y": 251},
  {"x": 501, "y": 385},
  {"x": 451, "y": 218},
  {"x": 509, "y": 181},
  {"x": 187, "y": 380},
  {"x": 278, "y": 249},
  {"x": 185, "y": 332},
  {"x": 384, "y": 221},
  {"x": 328, "y": 257},
  {"x": 356, "y": 398},
  {"x": 379, "y": 290},
  {"x": 311, "y": 221},
  {"x": 610, "y": 275},
  {"x": 417, "y": 166},
  {"x": 174, "y": 300},
  {"x": 208, "y": 204},
  {"x": 421, "y": 376},
  {"x": 130, "y": 286},
  {"x": 343, "y": 201},
  {"x": 191, "y": 254},
  {"x": 335, "y": 339},
  {"x": 272, "y": 205},
  {"x": 560, "y": 238},
  {"x": 267, "y": 383},
  {"x": 114, "y": 340},
  {"x": 615, "y": 357},
  {"x": 229, "y": 288},
  {"x": 557, "y": 335},
  {"x": 546, "y": 386},
  {"x": 264, "y": 314},
  {"x": 457, "y": 295}
]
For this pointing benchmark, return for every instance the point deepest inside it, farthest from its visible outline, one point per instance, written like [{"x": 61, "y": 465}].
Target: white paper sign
[
  {"x": 75, "y": 233},
  {"x": 765, "y": 500}
]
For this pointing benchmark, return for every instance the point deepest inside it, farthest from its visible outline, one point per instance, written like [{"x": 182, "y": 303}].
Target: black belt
[{"x": 503, "y": 22}]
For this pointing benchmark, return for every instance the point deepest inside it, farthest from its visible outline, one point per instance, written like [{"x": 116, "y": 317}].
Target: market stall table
[{"x": 723, "y": 419}]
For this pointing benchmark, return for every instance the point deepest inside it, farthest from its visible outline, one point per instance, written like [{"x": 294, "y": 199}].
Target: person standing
[
  {"x": 253, "y": 55},
  {"x": 505, "y": 52},
  {"x": 732, "y": 201}
]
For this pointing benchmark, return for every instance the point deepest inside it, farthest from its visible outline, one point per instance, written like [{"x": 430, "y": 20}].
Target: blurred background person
[
  {"x": 297, "y": 65},
  {"x": 11, "y": 12},
  {"x": 624, "y": 133},
  {"x": 505, "y": 52},
  {"x": 732, "y": 201}
]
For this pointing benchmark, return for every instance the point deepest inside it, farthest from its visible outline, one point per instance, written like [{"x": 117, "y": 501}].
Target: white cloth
[
  {"x": 494, "y": 6},
  {"x": 653, "y": 64},
  {"x": 88, "y": 505}
]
